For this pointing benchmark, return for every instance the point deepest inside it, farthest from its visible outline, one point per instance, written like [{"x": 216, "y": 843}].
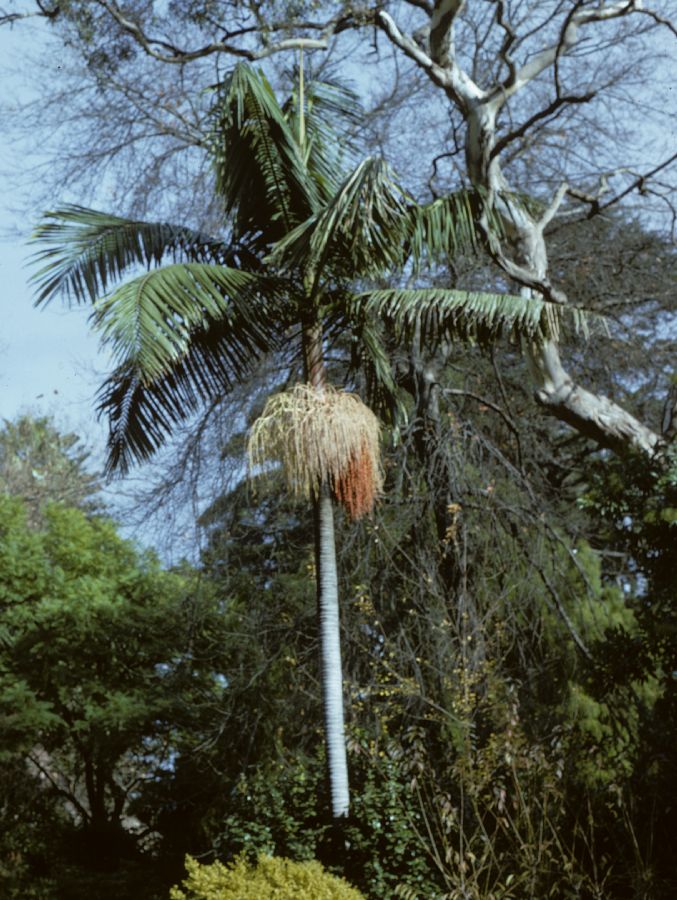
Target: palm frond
[
  {"x": 183, "y": 336},
  {"x": 331, "y": 112},
  {"x": 151, "y": 320},
  {"x": 437, "y": 314},
  {"x": 442, "y": 228},
  {"x": 85, "y": 251},
  {"x": 260, "y": 172},
  {"x": 360, "y": 230},
  {"x": 334, "y": 104}
]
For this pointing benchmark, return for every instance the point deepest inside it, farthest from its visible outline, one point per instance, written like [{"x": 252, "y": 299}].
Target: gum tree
[{"x": 528, "y": 47}]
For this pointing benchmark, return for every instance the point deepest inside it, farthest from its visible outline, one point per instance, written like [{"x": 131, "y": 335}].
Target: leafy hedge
[{"x": 268, "y": 877}]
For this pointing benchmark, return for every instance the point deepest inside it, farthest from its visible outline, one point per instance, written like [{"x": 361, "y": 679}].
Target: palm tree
[{"x": 207, "y": 310}]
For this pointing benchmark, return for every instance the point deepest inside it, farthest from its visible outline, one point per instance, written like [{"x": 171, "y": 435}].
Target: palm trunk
[
  {"x": 330, "y": 642},
  {"x": 328, "y": 607}
]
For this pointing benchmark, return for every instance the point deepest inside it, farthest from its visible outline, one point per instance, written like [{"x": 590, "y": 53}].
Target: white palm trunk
[{"x": 330, "y": 644}]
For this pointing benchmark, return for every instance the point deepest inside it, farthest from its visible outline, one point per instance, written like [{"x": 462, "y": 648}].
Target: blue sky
[{"x": 49, "y": 361}]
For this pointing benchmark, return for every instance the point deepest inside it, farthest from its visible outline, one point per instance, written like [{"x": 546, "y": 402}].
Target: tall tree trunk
[
  {"x": 330, "y": 642},
  {"x": 328, "y": 605}
]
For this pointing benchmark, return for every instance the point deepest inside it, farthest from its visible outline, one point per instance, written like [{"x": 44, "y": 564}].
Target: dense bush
[
  {"x": 279, "y": 810},
  {"x": 267, "y": 878}
]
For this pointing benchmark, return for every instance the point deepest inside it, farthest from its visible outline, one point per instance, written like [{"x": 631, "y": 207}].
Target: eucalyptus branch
[
  {"x": 48, "y": 13},
  {"x": 442, "y": 23},
  {"x": 410, "y": 47},
  {"x": 139, "y": 100},
  {"x": 639, "y": 184},
  {"x": 660, "y": 20},
  {"x": 451, "y": 78},
  {"x": 524, "y": 276},
  {"x": 593, "y": 199},
  {"x": 433, "y": 175},
  {"x": 42, "y": 11},
  {"x": 551, "y": 211},
  {"x": 164, "y": 51},
  {"x": 557, "y": 104},
  {"x": 425, "y": 5},
  {"x": 508, "y": 40},
  {"x": 568, "y": 39}
]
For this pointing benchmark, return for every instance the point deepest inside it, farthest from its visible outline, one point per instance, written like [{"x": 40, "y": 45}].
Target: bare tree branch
[
  {"x": 551, "y": 211},
  {"x": 568, "y": 39},
  {"x": 660, "y": 20},
  {"x": 457, "y": 83},
  {"x": 167, "y": 52},
  {"x": 544, "y": 113},
  {"x": 640, "y": 182},
  {"x": 7, "y": 18}
]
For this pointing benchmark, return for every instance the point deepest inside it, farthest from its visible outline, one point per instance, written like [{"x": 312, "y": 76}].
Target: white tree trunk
[
  {"x": 523, "y": 255},
  {"x": 330, "y": 643},
  {"x": 326, "y": 576},
  {"x": 521, "y": 251}
]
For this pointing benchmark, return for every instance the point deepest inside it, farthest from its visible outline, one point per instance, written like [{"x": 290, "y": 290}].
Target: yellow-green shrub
[{"x": 270, "y": 877}]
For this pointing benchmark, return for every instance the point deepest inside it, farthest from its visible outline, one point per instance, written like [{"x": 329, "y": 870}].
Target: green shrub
[{"x": 270, "y": 877}]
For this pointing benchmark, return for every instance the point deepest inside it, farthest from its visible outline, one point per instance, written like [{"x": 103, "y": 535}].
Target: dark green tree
[{"x": 106, "y": 663}]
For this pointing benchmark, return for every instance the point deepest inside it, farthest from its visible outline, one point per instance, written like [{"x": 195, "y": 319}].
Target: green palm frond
[
  {"x": 334, "y": 105},
  {"x": 360, "y": 231},
  {"x": 446, "y": 227},
  {"x": 151, "y": 320},
  {"x": 443, "y": 227},
  {"x": 260, "y": 172},
  {"x": 85, "y": 251},
  {"x": 182, "y": 335},
  {"x": 437, "y": 314},
  {"x": 141, "y": 415},
  {"x": 331, "y": 112}
]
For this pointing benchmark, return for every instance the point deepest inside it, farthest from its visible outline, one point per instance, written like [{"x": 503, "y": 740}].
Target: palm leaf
[
  {"x": 183, "y": 335},
  {"x": 331, "y": 113},
  {"x": 85, "y": 251},
  {"x": 151, "y": 320},
  {"x": 141, "y": 415},
  {"x": 442, "y": 228},
  {"x": 260, "y": 172},
  {"x": 437, "y": 314},
  {"x": 360, "y": 231}
]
